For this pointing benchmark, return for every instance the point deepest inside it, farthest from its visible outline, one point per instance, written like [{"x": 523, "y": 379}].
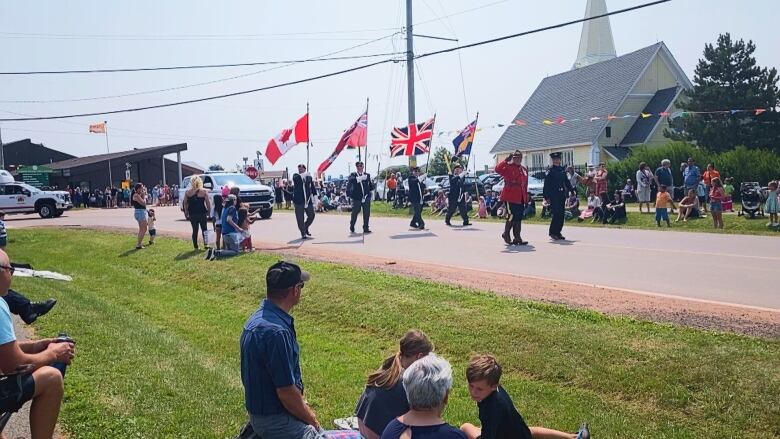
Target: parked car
[
  {"x": 535, "y": 187},
  {"x": 256, "y": 195},
  {"x": 489, "y": 180}
]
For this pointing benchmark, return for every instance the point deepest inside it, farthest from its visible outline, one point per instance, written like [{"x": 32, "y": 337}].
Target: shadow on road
[
  {"x": 563, "y": 242},
  {"x": 413, "y": 235},
  {"x": 466, "y": 229},
  {"x": 187, "y": 255},
  {"x": 359, "y": 241},
  {"x": 519, "y": 249}
]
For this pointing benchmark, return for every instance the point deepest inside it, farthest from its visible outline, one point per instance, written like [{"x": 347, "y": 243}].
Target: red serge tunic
[{"x": 515, "y": 182}]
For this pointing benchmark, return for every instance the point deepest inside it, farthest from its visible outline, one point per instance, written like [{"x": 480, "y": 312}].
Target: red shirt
[{"x": 515, "y": 182}]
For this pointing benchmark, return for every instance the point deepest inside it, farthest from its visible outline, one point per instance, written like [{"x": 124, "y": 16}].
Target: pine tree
[
  {"x": 728, "y": 78},
  {"x": 438, "y": 165}
]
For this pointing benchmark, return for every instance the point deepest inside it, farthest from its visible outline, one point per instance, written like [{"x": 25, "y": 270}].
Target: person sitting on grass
[
  {"x": 662, "y": 201},
  {"x": 628, "y": 190},
  {"x": 245, "y": 221},
  {"x": 439, "y": 204},
  {"x": 545, "y": 209},
  {"x": 593, "y": 203},
  {"x": 41, "y": 365},
  {"x": 482, "y": 210},
  {"x": 689, "y": 207},
  {"x": 497, "y": 413},
  {"x": 427, "y": 383},
  {"x": 616, "y": 209},
  {"x": 600, "y": 213},
  {"x": 572, "y": 206},
  {"x": 384, "y": 397},
  {"x": 231, "y": 232},
  {"x": 530, "y": 208}
]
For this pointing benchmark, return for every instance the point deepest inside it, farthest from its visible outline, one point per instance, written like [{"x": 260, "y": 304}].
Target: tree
[
  {"x": 728, "y": 78},
  {"x": 216, "y": 167},
  {"x": 438, "y": 164}
]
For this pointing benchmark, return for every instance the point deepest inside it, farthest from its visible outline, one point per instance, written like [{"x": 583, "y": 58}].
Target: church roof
[
  {"x": 644, "y": 127},
  {"x": 595, "y": 90}
]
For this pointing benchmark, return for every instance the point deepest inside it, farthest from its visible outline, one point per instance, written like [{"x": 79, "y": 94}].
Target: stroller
[{"x": 752, "y": 199}]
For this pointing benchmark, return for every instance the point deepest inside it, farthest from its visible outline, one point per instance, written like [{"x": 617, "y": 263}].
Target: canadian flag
[{"x": 288, "y": 138}]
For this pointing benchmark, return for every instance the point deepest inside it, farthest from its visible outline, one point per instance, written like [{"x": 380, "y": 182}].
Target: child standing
[
  {"x": 482, "y": 212},
  {"x": 3, "y": 232},
  {"x": 701, "y": 192},
  {"x": 772, "y": 207},
  {"x": 728, "y": 188},
  {"x": 716, "y": 202},
  {"x": 497, "y": 413},
  {"x": 152, "y": 230},
  {"x": 662, "y": 200}
]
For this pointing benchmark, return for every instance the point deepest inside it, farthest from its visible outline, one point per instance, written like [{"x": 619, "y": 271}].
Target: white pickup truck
[
  {"x": 18, "y": 197},
  {"x": 258, "y": 196}
]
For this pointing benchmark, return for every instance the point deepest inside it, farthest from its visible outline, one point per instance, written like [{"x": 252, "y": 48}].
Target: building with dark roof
[
  {"x": 590, "y": 101},
  {"x": 26, "y": 153}
]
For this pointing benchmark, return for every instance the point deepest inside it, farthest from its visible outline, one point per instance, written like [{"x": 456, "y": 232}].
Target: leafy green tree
[
  {"x": 728, "y": 78},
  {"x": 216, "y": 167}
]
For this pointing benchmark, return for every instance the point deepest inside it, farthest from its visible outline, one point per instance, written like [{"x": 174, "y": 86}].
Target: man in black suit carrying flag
[
  {"x": 456, "y": 199},
  {"x": 304, "y": 193},
  {"x": 360, "y": 189},
  {"x": 416, "y": 197}
]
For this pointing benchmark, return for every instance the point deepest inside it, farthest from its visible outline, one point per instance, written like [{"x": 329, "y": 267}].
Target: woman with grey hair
[{"x": 427, "y": 383}]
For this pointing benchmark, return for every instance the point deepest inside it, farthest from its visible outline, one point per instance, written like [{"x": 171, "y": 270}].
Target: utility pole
[
  {"x": 410, "y": 70},
  {"x": 2, "y": 156}
]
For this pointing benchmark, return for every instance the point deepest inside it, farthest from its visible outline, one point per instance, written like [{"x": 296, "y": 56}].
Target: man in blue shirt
[
  {"x": 231, "y": 231},
  {"x": 270, "y": 361},
  {"x": 691, "y": 176}
]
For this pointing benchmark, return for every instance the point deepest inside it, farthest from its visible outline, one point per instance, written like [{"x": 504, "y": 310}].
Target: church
[{"x": 601, "y": 108}]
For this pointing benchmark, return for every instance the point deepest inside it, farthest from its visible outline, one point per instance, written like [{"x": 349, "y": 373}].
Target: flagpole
[
  {"x": 428, "y": 160},
  {"x": 366, "y": 164},
  {"x": 110, "y": 179},
  {"x": 473, "y": 138},
  {"x": 308, "y": 136}
]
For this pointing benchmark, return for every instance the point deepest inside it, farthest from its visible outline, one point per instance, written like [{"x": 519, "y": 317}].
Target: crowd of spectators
[{"x": 113, "y": 197}]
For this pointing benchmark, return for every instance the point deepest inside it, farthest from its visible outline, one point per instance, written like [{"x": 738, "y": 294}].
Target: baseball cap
[{"x": 283, "y": 275}]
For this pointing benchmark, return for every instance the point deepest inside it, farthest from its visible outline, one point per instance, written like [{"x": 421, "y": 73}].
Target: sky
[{"x": 494, "y": 80}]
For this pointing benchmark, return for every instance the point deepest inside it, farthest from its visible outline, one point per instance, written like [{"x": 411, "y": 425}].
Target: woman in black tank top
[
  {"x": 196, "y": 208},
  {"x": 139, "y": 204}
]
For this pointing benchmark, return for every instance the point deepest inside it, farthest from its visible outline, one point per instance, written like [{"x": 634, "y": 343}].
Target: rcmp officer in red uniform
[{"x": 514, "y": 195}]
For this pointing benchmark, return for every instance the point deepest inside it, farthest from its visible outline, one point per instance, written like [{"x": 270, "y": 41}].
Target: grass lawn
[
  {"x": 158, "y": 329},
  {"x": 732, "y": 224}
]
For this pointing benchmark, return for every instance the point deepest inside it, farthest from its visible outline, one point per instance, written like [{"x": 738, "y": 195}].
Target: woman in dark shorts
[
  {"x": 384, "y": 397},
  {"x": 427, "y": 383}
]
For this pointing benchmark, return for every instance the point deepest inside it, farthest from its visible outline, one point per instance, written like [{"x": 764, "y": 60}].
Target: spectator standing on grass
[
  {"x": 139, "y": 213},
  {"x": 427, "y": 383},
  {"x": 691, "y": 175},
  {"x": 710, "y": 174},
  {"x": 590, "y": 178},
  {"x": 196, "y": 208},
  {"x": 716, "y": 202},
  {"x": 772, "y": 206},
  {"x": 126, "y": 195},
  {"x": 663, "y": 176},
  {"x": 702, "y": 191},
  {"x": 390, "y": 186},
  {"x": 287, "y": 193},
  {"x": 628, "y": 190},
  {"x": 270, "y": 361},
  {"x": 38, "y": 380},
  {"x": 152, "y": 229},
  {"x": 573, "y": 176},
  {"x": 662, "y": 201},
  {"x": 728, "y": 188},
  {"x": 601, "y": 179},
  {"x": 278, "y": 197},
  {"x": 644, "y": 179},
  {"x": 384, "y": 397}
]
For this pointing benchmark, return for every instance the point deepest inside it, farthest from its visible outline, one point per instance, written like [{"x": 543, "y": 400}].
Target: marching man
[
  {"x": 304, "y": 193},
  {"x": 514, "y": 194},
  {"x": 457, "y": 196},
  {"x": 416, "y": 196},
  {"x": 359, "y": 189}
]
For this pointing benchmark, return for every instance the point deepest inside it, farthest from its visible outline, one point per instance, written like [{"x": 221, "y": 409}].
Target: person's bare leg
[
  {"x": 546, "y": 433},
  {"x": 141, "y": 232},
  {"x": 46, "y": 402},
  {"x": 471, "y": 430}
]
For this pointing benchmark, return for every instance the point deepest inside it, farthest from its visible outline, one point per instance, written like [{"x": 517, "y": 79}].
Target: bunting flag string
[{"x": 560, "y": 120}]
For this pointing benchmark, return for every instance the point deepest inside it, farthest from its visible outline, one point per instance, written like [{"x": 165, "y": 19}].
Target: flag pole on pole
[
  {"x": 110, "y": 179},
  {"x": 308, "y": 143},
  {"x": 473, "y": 138},
  {"x": 428, "y": 160},
  {"x": 366, "y": 133}
]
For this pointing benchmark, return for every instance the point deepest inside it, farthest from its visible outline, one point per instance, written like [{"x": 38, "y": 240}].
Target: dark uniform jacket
[
  {"x": 354, "y": 187},
  {"x": 556, "y": 183},
  {"x": 299, "y": 197},
  {"x": 456, "y": 188},
  {"x": 416, "y": 190}
]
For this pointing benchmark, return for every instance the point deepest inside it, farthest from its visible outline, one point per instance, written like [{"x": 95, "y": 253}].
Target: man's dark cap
[
  {"x": 416, "y": 168},
  {"x": 517, "y": 153},
  {"x": 556, "y": 155},
  {"x": 457, "y": 165},
  {"x": 358, "y": 163},
  {"x": 283, "y": 275}
]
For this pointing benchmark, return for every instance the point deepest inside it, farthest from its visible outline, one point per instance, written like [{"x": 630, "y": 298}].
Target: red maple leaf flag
[{"x": 288, "y": 138}]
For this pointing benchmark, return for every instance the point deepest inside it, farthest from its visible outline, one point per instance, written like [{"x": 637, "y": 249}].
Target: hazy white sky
[{"x": 497, "y": 78}]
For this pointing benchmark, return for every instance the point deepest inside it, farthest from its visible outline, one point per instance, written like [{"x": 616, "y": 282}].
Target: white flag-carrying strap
[{"x": 26, "y": 272}]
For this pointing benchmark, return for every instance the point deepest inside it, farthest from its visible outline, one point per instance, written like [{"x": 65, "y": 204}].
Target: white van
[
  {"x": 256, "y": 195},
  {"x": 18, "y": 197}
]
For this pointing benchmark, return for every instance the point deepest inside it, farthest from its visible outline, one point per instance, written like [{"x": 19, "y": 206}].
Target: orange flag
[{"x": 99, "y": 128}]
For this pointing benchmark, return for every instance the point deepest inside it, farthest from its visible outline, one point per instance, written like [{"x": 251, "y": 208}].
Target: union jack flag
[{"x": 412, "y": 140}]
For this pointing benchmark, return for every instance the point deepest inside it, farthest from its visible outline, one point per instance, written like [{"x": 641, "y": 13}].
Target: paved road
[{"x": 735, "y": 269}]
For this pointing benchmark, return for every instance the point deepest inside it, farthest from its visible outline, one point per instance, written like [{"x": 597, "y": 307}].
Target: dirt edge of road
[{"x": 611, "y": 301}]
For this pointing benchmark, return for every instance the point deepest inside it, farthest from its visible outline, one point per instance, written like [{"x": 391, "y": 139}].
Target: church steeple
[{"x": 596, "y": 43}]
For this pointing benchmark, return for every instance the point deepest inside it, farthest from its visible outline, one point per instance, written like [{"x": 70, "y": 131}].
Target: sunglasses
[{"x": 9, "y": 268}]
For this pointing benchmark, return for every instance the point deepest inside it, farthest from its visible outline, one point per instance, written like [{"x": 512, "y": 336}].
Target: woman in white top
[{"x": 644, "y": 177}]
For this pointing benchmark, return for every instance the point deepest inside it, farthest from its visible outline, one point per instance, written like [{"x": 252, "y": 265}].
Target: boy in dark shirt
[{"x": 497, "y": 413}]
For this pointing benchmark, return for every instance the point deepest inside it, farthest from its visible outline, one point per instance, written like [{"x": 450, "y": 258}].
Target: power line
[
  {"x": 197, "y": 84},
  {"x": 196, "y": 66},
  {"x": 336, "y": 73}
]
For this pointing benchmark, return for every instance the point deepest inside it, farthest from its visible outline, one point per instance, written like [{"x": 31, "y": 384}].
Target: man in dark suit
[
  {"x": 457, "y": 197},
  {"x": 359, "y": 189},
  {"x": 416, "y": 196},
  {"x": 304, "y": 193},
  {"x": 556, "y": 190}
]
